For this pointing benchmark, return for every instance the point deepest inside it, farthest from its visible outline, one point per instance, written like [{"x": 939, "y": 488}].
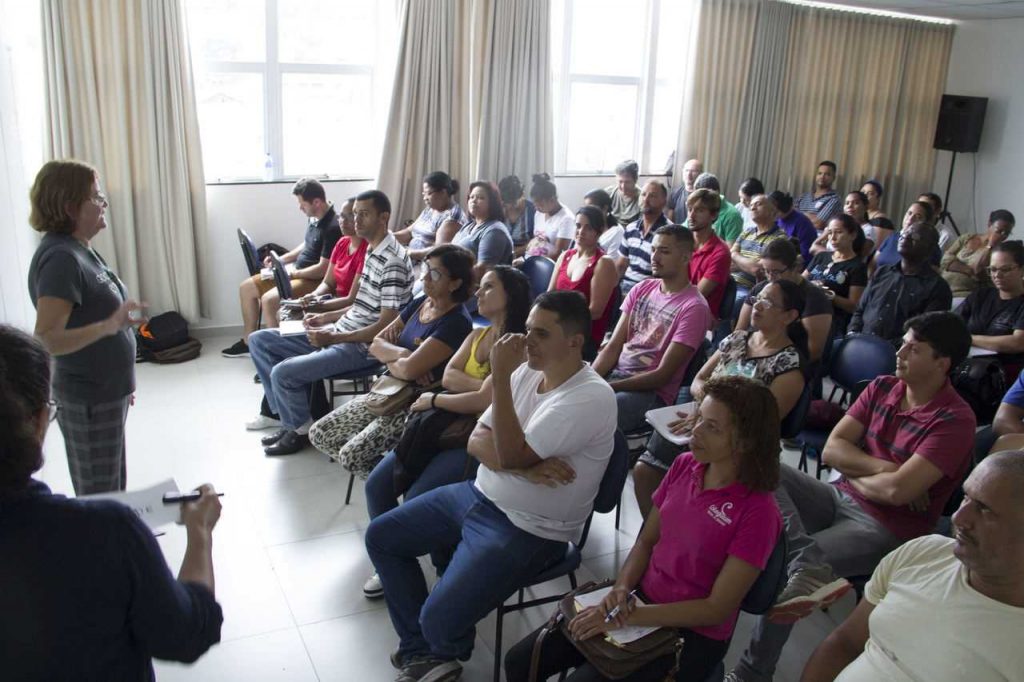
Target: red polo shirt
[
  {"x": 713, "y": 261},
  {"x": 942, "y": 432}
]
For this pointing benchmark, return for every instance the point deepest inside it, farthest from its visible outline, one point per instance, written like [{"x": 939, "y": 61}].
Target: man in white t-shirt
[
  {"x": 533, "y": 493},
  {"x": 944, "y": 609}
]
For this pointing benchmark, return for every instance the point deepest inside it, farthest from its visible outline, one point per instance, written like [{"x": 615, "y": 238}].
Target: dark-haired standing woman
[{"x": 84, "y": 317}]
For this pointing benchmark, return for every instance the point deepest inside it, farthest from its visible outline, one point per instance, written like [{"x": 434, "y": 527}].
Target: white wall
[
  {"x": 987, "y": 61},
  {"x": 268, "y": 212}
]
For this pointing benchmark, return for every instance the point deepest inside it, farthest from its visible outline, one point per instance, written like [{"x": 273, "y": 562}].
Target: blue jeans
[
  {"x": 633, "y": 406},
  {"x": 493, "y": 559},
  {"x": 446, "y": 467},
  {"x": 287, "y": 365}
]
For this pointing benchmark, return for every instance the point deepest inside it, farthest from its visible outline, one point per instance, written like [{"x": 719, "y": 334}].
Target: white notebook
[
  {"x": 619, "y": 636},
  {"x": 292, "y": 328},
  {"x": 661, "y": 417}
]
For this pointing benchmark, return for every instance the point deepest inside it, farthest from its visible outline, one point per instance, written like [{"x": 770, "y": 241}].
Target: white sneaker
[
  {"x": 262, "y": 422},
  {"x": 372, "y": 588}
]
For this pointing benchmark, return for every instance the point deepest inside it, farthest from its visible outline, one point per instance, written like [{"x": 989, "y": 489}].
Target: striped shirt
[
  {"x": 941, "y": 432},
  {"x": 751, "y": 244},
  {"x": 386, "y": 282},
  {"x": 826, "y": 207},
  {"x": 637, "y": 247}
]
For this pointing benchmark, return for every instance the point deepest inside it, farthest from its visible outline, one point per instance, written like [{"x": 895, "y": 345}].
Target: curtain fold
[
  {"x": 803, "y": 84},
  {"x": 471, "y": 96},
  {"x": 119, "y": 95}
]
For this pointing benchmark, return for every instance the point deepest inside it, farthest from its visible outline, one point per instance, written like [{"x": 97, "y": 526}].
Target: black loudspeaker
[{"x": 960, "y": 123}]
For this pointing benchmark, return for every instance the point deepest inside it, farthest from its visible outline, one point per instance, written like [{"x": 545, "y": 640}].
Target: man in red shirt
[
  {"x": 711, "y": 261},
  {"x": 903, "y": 447}
]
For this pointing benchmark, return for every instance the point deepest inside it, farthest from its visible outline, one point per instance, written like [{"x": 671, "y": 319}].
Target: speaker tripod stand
[{"x": 945, "y": 215}]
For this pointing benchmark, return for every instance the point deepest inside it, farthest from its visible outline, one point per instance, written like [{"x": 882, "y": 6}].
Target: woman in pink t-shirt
[
  {"x": 710, "y": 534},
  {"x": 588, "y": 270}
]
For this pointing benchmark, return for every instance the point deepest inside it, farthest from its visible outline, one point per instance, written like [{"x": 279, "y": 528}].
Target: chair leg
[
  {"x": 572, "y": 579},
  {"x": 802, "y": 466},
  {"x": 499, "y": 617},
  {"x": 351, "y": 482},
  {"x": 618, "y": 512}
]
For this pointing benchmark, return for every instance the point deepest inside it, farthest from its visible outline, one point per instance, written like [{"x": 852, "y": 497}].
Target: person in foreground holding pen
[
  {"x": 714, "y": 514},
  {"x": 86, "y": 592}
]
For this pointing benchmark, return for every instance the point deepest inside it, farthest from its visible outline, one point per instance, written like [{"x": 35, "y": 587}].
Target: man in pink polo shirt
[
  {"x": 664, "y": 320},
  {"x": 711, "y": 261},
  {"x": 903, "y": 447}
]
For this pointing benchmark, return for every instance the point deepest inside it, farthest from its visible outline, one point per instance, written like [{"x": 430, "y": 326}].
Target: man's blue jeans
[
  {"x": 287, "y": 365},
  {"x": 493, "y": 559},
  {"x": 446, "y": 467}
]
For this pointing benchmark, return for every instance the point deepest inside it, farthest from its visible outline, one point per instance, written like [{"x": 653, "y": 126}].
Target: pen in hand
[{"x": 615, "y": 611}]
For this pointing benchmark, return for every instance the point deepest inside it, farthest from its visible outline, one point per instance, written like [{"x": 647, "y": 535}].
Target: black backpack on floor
[{"x": 164, "y": 339}]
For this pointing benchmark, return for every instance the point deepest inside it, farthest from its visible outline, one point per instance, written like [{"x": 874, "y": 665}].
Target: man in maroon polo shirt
[
  {"x": 902, "y": 449},
  {"x": 711, "y": 261}
]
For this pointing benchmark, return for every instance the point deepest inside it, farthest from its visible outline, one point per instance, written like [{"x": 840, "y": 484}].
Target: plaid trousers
[{"x": 94, "y": 440}]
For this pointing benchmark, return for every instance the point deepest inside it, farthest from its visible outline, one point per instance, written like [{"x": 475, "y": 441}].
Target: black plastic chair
[
  {"x": 858, "y": 360},
  {"x": 249, "y": 252},
  {"x": 726, "y": 318},
  {"x": 608, "y": 494},
  {"x": 793, "y": 423},
  {"x": 281, "y": 277},
  {"x": 538, "y": 270}
]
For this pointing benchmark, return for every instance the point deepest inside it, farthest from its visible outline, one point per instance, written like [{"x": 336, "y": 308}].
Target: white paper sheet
[
  {"x": 976, "y": 352},
  {"x": 620, "y": 636},
  {"x": 292, "y": 328},
  {"x": 660, "y": 418},
  {"x": 148, "y": 503}
]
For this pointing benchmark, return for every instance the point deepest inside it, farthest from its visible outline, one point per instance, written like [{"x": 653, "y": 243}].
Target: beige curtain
[
  {"x": 471, "y": 96},
  {"x": 805, "y": 84},
  {"x": 516, "y": 133},
  {"x": 119, "y": 95}
]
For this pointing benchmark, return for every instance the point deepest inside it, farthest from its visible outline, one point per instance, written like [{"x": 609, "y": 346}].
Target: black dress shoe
[
  {"x": 256, "y": 378},
  {"x": 274, "y": 437},
  {"x": 289, "y": 444}
]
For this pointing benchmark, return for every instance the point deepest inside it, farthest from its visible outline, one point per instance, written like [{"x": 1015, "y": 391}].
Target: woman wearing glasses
[
  {"x": 85, "y": 318},
  {"x": 965, "y": 263},
  {"x": 773, "y": 351},
  {"x": 995, "y": 315},
  {"x": 415, "y": 347}
]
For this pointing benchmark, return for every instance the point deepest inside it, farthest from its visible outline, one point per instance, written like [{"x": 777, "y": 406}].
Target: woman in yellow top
[{"x": 504, "y": 299}]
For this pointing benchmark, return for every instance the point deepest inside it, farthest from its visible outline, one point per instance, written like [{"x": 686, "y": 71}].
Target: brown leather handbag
[{"x": 614, "y": 661}]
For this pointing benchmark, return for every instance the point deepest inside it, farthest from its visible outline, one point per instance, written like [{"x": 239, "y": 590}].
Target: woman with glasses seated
[
  {"x": 87, "y": 594},
  {"x": 995, "y": 315},
  {"x": 965, "y": 263},
  {"x": 84, "y": 317},
  {"x": 710, "y": 532},
  {"x": 780, "y": 261},
  {"x": 841, "y": 272},
  {"x": 414, "y": 348},
  {"x": 773, "y": 351}
]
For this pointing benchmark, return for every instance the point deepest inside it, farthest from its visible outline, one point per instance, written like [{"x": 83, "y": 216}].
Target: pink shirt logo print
[{"x": 719, "y": 514}]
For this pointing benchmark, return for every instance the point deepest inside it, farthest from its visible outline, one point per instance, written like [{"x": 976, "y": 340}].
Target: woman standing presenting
[{"x": 84, "y": 317}]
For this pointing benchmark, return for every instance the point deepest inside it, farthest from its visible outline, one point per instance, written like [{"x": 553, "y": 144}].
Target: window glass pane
[
  {"x": 601, "y": 124},
  {"x": 227, "y": 30},
  {"x": 608, "y": 37},
  {"x": 230, "y": 107},
  {"x": 664, "y": 127},
  {"x": 327, "y": 31},
  {"x": 329, "y": 125}
]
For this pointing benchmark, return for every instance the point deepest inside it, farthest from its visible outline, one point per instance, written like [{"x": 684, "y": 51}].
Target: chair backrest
[
  {"x": 861, "y": 357},
  {"x": 762, "y": 594},
  {"x": 700, "y": 357},
  {"x": 538, "y": 270},
  {"x": 281, "y": 278},
  {"x": 249, "y": 252},
  {"x": 793, "y": 423},
  {"x": 725, "y": 308},
  {"x": 610, "y": 491}
]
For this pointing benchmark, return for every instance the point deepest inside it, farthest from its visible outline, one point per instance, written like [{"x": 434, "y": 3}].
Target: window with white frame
[
  {"x": 290, "y": 88},
  {"x": 619, "y": 70}
]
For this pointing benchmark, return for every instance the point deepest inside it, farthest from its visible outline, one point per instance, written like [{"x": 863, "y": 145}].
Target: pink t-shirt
[
  {"x": 656, "y": 320},
  {"x": 700, "y": 529}
]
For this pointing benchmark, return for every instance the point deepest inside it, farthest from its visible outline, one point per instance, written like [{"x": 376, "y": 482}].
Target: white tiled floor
[{"x": 289, "y": 555}]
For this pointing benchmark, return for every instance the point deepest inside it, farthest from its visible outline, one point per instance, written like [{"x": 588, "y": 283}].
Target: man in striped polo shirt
[
  {"x": 746, "y": 250},
  {"x": 903, "y": 448},
  {"x": 634, "y": 259},
  {"x": 288, "y": 365}
]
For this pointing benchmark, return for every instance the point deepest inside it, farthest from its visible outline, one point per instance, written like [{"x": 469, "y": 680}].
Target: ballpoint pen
[{"x": 614, "y": 612}]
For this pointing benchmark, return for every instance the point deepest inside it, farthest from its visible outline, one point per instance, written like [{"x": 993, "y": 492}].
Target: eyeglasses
[
  {"x": 54, "y": 407},
  {"x": 434, "y": 274},
  {"x": 765, "y": 302},
  {"x": 100, "y": 199},
  {"x": 1005, "y": 270},
  {"x": 779, "y": 272}
]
